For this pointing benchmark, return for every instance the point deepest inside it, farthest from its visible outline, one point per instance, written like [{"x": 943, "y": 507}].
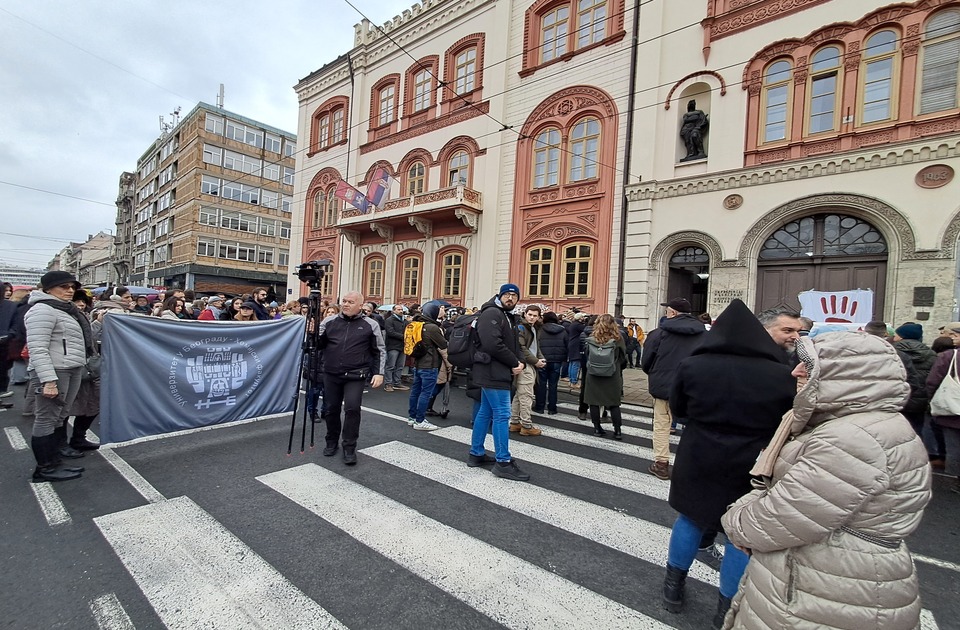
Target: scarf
[
  {"x": 790, "y": 426},
  {"x": 70, "y": 309}
]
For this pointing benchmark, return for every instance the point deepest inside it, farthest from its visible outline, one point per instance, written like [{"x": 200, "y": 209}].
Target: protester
[
  {"x": 258, "y": 299},
  {"x": 523, "y": 383},
  {"x": 172, "y": 309},
  {"x": 574, "y": 330},
  {"x": 351, "y": 344},
  {"x": 142, "y": 305},
  {"x": 86, "y": 406},
  {"x": 730, "y": 394},
  {"x": 232, "y": 310},
  {"x": 552, "y": 341},
  {"x": 427, "y": 367},
  {"x": 943, "y": 368},
  {"x": 393, "y": 328},
  {"x": 663, "y": 351},
  {"x": 248, "y": 312},
  {"x": 494, "y": 376},
  {"x": 8, "y": 337},
  {"x": 59, "y": 340},
  {"x": 846, "y": 479},
  {"x": 214, "y": 309},
  {"x": 604, "y": 359}
]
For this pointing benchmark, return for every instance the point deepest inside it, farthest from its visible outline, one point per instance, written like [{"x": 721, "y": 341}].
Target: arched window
[
  {"x": 373, "y": 277},
  {"x": 319, "y": 202},
  {"x": 577, "y": 270},
  {"x": 333, "y": 209},
  {"x": 410, "y": 277},
  {"x": 416, "y": 178},
  {"x": 546, "y": 158},
  {"x": 824, "y": 235},
  {"x": 879, "y": 91},
  {"x": 451, "y": 274},
  {"x": 420, "y": 89},
  {"x": 824, "y": 90},
  {"x": 387, "y": 104},
  {"x": 458, "y": 169},
  {"x": 584, "y": 146},
  {"x": 941, "y": 62},
  {"x": 776, "y": 101},
  {"x": 329, "y": 127},
  {"x": 539, "y": 271}
]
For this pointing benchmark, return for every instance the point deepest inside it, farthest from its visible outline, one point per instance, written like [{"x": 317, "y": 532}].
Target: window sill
[
  {"x": 313, "y": 152},
  {"x": 528, "y": 70}
]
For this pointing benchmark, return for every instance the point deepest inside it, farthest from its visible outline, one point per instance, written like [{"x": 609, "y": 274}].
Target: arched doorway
[
  {"x": 823, "y": 252},
  {"x": 689, "y": 276}
]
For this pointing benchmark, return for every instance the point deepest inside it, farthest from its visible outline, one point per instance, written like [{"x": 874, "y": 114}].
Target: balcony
[{"x": 456, "y": 208}]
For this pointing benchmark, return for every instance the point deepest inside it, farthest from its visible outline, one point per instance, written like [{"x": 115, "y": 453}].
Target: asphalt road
[{"x": 222, "y": 529}]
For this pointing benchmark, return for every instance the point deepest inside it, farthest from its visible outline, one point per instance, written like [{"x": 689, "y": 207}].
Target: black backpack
[{"x": 463, "y": 343}]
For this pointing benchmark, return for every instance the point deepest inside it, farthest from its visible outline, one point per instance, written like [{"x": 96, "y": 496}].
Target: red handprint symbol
[{"x": 846, "y": 312}]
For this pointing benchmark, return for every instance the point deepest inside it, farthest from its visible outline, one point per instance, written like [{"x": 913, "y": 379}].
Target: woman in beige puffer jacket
[{"x": 850, "y": 481}]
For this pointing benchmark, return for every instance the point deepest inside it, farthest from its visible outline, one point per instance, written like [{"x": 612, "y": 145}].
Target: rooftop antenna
[
  {"x": 167, "y": 127},
  {"x": 220, "y": 97}
]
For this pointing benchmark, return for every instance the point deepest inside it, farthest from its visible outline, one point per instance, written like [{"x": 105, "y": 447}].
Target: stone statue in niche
[{"x": 692, "y": 129}]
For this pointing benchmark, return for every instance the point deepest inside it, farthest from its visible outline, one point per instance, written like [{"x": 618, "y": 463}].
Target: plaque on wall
[
  {"x": 732, "y": 202},
  {"x": 934, "y": 176}
]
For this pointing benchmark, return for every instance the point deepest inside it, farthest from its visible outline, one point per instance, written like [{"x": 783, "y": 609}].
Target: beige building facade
[
  {"x": 833, "y": 142},
  {"x": 523, "y": 148}
]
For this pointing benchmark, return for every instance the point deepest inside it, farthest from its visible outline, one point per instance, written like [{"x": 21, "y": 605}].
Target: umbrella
[{"x": 389, "y": 307}]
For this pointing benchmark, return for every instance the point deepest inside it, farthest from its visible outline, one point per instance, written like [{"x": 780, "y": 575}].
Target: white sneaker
[
  {"x": 426, "y": 425},
  {"x": 411, "y": 421},
  {"x": 6, "y": 394}
]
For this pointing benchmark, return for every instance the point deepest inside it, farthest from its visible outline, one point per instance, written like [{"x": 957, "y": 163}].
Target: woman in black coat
[
  {"x": 553, "y": 342},
  {"x": 730, "y": 394}
]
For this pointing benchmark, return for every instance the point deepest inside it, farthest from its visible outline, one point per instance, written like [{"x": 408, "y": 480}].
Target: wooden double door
[{"x": 779, "y": 284}]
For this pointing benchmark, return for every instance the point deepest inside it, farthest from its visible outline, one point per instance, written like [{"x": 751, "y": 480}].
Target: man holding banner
[{"x": 352, "y": 347}]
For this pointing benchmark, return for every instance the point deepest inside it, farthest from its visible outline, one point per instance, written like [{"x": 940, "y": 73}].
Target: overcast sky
[{"x": 84, "y": 83}]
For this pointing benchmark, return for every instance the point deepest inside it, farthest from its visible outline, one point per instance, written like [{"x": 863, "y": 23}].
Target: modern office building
[{"x": 211, "y": 207}]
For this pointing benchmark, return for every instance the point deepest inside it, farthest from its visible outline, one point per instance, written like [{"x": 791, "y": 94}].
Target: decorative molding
[
  {"x": 352, "y": 236},
  {"x": 948, "y": 244},
  {"x": 815, "y": 148},
  {"x": 568, "y": 102},
  {"x": 878, "y": 137},
  {"x": 666, "y": 247},
  {"x": 558, "y": 233},
  {"x": 453, "y": 118},
  {"x": 887, "y": 219},
  {"x": 382, "y": 229},
  {"x": 694, "y": 75},
  {"x": 746, "y": 15},
  {"x": 424, "y": 226},
  {"x": 470, "y": 219},
  {"x": 732, "y": 202}
]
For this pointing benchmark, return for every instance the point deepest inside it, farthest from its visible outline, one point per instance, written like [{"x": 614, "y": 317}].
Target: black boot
[
  {"x": 331, "y": 449},
  {"x": 60, "y": 434},
  {"x": 79, "y": 439},
  {"x": 723, "y": 605},
  {"x": 349, "y": 455},
  {"x": 673, "y": 585},
  {"x": 45, "y": 450}
]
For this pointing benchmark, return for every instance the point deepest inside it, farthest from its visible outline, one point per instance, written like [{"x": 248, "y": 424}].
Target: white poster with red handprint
[{"x": 841, "y": 307}]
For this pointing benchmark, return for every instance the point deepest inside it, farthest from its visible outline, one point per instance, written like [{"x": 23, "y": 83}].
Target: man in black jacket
[
  {"x": 498, "y": 341},
  {"x": 352, "y": 347},
  {"x": 393, "y": 327},
  {"x": 663, "y": 351}
]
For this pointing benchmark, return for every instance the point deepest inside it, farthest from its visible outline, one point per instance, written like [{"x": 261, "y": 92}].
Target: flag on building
[
  {"x": 352, "y": 196},
  {"x": 378, "y": 191}
]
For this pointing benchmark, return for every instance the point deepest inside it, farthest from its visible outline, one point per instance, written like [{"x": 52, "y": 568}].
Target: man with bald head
[{"x": 353, "y": 351}]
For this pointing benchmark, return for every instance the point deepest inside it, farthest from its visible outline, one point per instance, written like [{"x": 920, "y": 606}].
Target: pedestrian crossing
[{"x": 195, "y": 572}]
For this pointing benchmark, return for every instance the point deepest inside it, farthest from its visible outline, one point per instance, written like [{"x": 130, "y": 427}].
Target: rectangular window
[
  {"x": 286, "y": 203},
  {"x": 877, "y": 87},
  {"x": 271, "y": 143},
  {"x": 271, "y": 171},
  {"x": 288, "y": 176},
  {"x": 269, "y": 199},
  {"x": 941, "y": 67},
  {"x": 324, "y": 131},
  {"x": 823, "y": 103},
  {"x": 212, "y": 154},
  {"x": 160, "y": 254},
  {"x": 289, "y": 148},
  {"x": 576, "y": 271},
  {"x": 265, "y": 256},
  {"x": 375, "y": 277},
  {"x": 591, "y": 21},
  {"x": 166, "y": 200},
  {"x": 466, "y": 71},
  {"x": 166, "y": 151},
  {"x": 206, "y": 247},
  {"x": 338, "y": 126},
  {"x": 553, "y": 34},
  {"x": 284, "y": 230},
  {"x": 210, "y": 185},
  {"x": 245, "y": 134},
  {"x": 539, "y": 271},
  {"x": 410, "y": 284},
  {"x": 775, "y": 123},
  {"x": 387, "y": 96},
  {"x": 167, "y": 174},
  {"x": 231, "y": 190},
  {"x": 452, "y": 270},
  {"x": 241, "y": 162},
  {"x": 421, "y": 91},
  {"x": 283, "y": 259},
  {"x": 546, "y": 164},
  {"x": 208, "y": 216},
  {"x": 268, "y": 227},
  {"x": 213, "y": 124},
  {"x": 230, "y": 220}
]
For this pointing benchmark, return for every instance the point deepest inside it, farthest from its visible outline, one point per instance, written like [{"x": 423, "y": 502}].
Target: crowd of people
[{"x": 811, "y": 452}]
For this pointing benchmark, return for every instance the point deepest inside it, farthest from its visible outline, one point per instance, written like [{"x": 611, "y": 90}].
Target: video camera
[{"x": 312, "y": 272}]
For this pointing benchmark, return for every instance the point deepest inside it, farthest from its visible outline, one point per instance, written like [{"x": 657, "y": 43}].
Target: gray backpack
[{"x": 601, "y": 358}]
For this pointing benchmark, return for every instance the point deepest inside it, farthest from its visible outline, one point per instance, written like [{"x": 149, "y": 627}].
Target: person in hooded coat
[
  {"x": 730, "y": 393},
  {"x": 845, "y": 479},
  {"x": 552, "y": 338}
]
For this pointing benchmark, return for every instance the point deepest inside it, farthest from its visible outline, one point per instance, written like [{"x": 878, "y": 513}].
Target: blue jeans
[
  {"x": 574, "y": 371},
  {"x": 546, "y": 388},
  {"x": 492, "y": 410},
  {"x": 394, "y": 367},
  {"x": 684, "y": 543},
  {"x": 314, "y": 392},
  {"x": 424, "y": 382}
]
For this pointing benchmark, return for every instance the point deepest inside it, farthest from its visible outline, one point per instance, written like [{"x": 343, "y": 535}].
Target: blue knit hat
[
  {"x": 509, "y": 288},
  {"x": 910, "y": 331}
]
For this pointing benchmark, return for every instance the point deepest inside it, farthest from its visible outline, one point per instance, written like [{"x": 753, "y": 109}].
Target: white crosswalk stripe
[
  {"x": 196, "y": 574},
  {"x": 634, "y": 536},
  {"x": 627, "y": 429},
  {"x": 449, "y": 560}
]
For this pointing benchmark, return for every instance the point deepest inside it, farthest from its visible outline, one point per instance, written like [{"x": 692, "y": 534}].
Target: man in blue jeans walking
[
  {"x": 497, "y": 340},
  {"x": 427, "y": 366}
]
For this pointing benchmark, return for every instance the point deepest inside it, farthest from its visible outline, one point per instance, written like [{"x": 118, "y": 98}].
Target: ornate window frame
[
  {"x": 529, "y": 272},
  {"x": 368, "y": 271},
  {"x": 402, "y": 286},
  {"x": 377, "y": 128},
  {"x": 532, "y": 32},
  {"x": 324, "y": 126},
  {"x": 578, "y": 260},
  {"x": 450, "y": 99},
  {"x": 894, "y": 79},
  {"x": 440, "y": 279},
  {"x": 412, "y": 157},
  {"x": 431, "y": 66}
]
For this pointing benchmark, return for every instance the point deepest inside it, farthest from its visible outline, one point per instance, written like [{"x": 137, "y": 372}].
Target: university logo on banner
[
  {"x": 160, "y": 376},
  {"x": 352, "y": 196}
]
